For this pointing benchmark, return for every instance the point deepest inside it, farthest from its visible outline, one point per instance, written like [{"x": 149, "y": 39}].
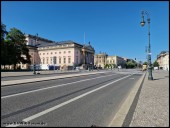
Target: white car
[
  {"x": 77, "y": 68},
  {"x": 119, "y": 67},
  {"x": 155, "y": 68}
]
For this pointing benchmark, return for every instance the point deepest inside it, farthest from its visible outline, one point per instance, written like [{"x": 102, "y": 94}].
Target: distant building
[
  {"x": 163, "y": 60},
  {"x": 63, "y": 54},
  {"x": 101, "y": 59}
]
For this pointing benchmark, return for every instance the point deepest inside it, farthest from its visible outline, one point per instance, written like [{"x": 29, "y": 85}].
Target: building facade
[
  {"x": 101, "y": 59},
  {"x": 163, "y": 60},
  {"x": 61, "y": 54}
]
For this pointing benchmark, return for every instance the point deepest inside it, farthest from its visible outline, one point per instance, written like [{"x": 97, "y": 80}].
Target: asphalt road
[
  {"x": 79, "y": 101},
  {"x": 6, "y": 78}
]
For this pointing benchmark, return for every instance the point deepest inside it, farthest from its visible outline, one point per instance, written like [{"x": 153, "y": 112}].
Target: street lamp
[
  {"x": 149, "y": 47},
  {"x": 34, "y": 70}
]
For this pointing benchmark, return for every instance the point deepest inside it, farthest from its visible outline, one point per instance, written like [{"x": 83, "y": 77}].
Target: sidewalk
[
  {"x": 21, "y": 81},
  {"x": 7, "y": 74},
  {"x": 152, "y": 109}
]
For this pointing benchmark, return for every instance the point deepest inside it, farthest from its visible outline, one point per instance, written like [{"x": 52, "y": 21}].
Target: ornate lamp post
[{"x": 149, "y": 46}]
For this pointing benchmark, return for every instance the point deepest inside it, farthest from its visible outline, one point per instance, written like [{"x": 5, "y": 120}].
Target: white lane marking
[
  {"x": 51, "y": 87},
  {"x": 131, "y": 78},
  {"x": 66, "y": 102},
  {"x": 13, "y": 125}
]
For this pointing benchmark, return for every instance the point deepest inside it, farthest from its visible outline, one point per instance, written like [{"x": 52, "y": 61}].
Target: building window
[
  {"x": 43, "y": 60},
  {"x": 43, "y": 53},
  {"x": 51, "y": 53},
  {"x": 40, "y": 54},
  {"x": 64, "y": 52},
  {"x": 40, "y": 61},
  {"x": 64, "y": 60},
  {"x": 47, "y": 53},
  {"x": 51, "y": 60},
  {"x": 32, "y": 42},
  {"x": 47, "y": 60},
  {"x": 55, "y": 52},
  {"x": 69, "y": 60},
  {"x": 69, "y": 51},
  {"x": 59, "y": 52},
  {"x": 59, "y": 60},
  {"x": 55, "y": 60}
]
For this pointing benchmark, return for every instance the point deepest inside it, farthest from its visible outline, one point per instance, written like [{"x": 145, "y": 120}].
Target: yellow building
[
  {"x": 101, "y": 59},
  {"x": 163, "y": 60}
]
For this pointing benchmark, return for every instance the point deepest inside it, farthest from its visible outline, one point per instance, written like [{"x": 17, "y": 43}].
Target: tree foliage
[
  {"x": 145, "y": 63},
  {"x": 155, "y": 64},
  {"x": 130, "y": 64},
  {"x": 13, "y": 47}
]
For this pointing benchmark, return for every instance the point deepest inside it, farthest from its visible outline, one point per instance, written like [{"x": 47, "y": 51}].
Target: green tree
[
  {"x": 155, "y": 64},
  {"x": 130, "y": 64},
  {"x": 114, "y": 65},
  {"x": 18, "y": 49},
  {"x": 4, "y": 46},
  {"x": 110, "y": 66},
  {"x": 106, "y": 65},
  {"x": 145, "y": 63},
  {"x": 3, "y": 31}
]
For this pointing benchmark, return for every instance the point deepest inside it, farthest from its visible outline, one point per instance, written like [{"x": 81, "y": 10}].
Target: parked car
[
  {"x": 156, "y": 68},
  {"x": 119, "y": 67},
  {"x": 77, "y": 68}
]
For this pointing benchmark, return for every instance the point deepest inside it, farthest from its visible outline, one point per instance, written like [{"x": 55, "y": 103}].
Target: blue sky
[{"x": 112, "y": 27}]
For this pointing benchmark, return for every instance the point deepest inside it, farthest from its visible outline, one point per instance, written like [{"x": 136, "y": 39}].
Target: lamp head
[{"x": 142, "y": 23}]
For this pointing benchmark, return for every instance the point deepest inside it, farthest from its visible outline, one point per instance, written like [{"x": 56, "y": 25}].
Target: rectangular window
[
  {"x": 40, "y": 61},
  {"x": 32, "y": 42},
  {"x": 51, "y": 60},
  {"x": 64, "y": 60},
  {"x": 43, "y": 60},
  {"x": 55, "y": 60},
  {"x": 69, "y": 51},
  {"x": 69, "y": 60},
  {"x": 59, "y": 60}
]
